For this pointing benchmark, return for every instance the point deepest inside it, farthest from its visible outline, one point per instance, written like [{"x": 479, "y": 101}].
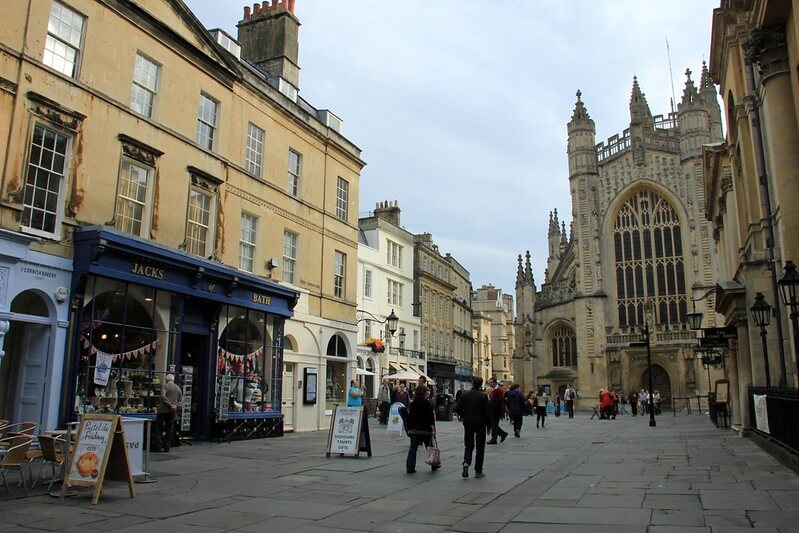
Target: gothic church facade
[{"x": 638, "y": 251}]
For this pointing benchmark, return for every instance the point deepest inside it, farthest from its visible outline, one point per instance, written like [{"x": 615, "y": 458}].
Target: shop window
[
  {"x": 125, "y": 348},
  {"x": 336, "y": 381},
  {"x": 250, "y": 358}
]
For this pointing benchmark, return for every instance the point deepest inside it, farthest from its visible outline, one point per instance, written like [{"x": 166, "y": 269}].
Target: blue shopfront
[{"x": 141, "y": 310}]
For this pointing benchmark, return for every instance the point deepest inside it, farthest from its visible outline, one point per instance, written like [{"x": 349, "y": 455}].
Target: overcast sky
[{"x": 460, "y": 106}]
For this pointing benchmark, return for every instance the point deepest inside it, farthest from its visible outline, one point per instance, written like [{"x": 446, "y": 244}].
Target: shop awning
[
  {"x": 106, "y": 252},
  {"x": 363, "y": 372},
  {"x": 405, "y": 375}
]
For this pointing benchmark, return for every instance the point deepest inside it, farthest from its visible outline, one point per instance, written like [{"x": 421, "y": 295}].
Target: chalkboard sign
[{"x": 100, "y": 453}]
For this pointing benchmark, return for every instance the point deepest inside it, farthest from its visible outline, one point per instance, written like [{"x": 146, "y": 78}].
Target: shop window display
[
  {"x": 249, "y": 357},
  {"x": 336, "y": 379},
  {"x": 126, "y": 347}
]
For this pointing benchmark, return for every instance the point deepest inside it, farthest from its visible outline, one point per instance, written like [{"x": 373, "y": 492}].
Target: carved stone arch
[{"x": 560, "y": 337}]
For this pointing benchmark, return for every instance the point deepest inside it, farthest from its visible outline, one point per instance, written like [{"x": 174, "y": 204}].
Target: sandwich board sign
[
  {"x": 349, "y": 432},
  {"x": 100, "y": 454}
]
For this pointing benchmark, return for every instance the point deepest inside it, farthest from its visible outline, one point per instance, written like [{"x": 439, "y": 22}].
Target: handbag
[{"x": 433, "y": 454}]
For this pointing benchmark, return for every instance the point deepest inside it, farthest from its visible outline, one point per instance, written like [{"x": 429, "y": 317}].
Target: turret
[
  {"x": 694, "y": 120},
  {"x": 640, "y": 114},
  {"x": 564, "y": 238},
  {"x": 554, "y": 240},
  {"x": 582, "y": 141},
  {"x": 708, "y": 94}
]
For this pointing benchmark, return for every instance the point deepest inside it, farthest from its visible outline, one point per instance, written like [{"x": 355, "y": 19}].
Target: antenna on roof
[{"x": 671, "y": 73}]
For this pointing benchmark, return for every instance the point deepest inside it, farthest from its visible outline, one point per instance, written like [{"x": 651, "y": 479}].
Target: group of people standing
[
  {"x": 389, "y": 394},
  {"x": 613, "y": 403}
]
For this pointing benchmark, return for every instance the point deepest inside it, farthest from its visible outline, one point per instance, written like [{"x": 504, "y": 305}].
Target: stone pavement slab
[{"x": 577, "y": 475}]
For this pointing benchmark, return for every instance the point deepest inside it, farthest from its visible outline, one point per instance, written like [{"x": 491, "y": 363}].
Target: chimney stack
[
  {"x": 269, "y": 38},
  {"x": 388, "y": 211}
]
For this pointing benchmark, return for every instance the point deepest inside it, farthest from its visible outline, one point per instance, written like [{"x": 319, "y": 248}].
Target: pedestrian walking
[
  {"x": 642, "y": 401},
  {"x": 384, "y": 401},
  {"x": 540, "y": 404},
  {"x": 528, "y": 404},
  {"x": 473, "y": 409},
  {"x": 420, "y": 423},
  {"x": 171, "y": 396},
  {"x": 657, "y": 403},
  {"x": 622, "y": 404},
  {"x": 514, "y": 400},
  {"x": 497, "y": 404},
  {"x": 458, "y": 397},
  {"x": 402, "y": 396},
  {"x": 571, "y": 395},
  {"x": 557, "y": 404},
  {"x": 633, "y": 399}
]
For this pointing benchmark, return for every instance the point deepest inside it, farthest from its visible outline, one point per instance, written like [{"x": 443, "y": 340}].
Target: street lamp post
[
  {"x": 788, "y": 287},
  {"x": 391, "y": 322},
  {"x": 761, "y": 312},
  {"x": 646, "y": 332}
]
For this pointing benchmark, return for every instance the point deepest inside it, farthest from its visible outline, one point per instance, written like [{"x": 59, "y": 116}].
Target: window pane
[
  {"x": 46, "y": 170},
  {"x": 64, "y": 35},
  {"x": 255, "y": 150},
  {"x": 132, "y": 198}
]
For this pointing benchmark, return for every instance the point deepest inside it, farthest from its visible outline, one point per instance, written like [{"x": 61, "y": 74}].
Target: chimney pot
[
  {"x": 247, "y": 12},
  {"x": 291, "y": 6},
  {"x": 256, "y": 9}
]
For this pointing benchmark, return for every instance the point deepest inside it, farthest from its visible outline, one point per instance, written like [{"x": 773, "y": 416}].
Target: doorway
[
  {"x": 660, "y": 383},
  {"x": 194, "y": 361},
  {"x": 287, "y": 401}
]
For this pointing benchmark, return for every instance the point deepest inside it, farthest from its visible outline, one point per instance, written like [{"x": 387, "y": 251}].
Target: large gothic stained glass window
[
  {"x": 649, "y": 261},
  {"x": 564, "y": 346}
]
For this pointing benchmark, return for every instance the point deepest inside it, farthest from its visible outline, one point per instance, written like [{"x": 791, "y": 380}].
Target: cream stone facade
[
  {"x": 462, "y": 340},
  {"x": 755, "y": 224},
  {"x": 385, "y": 285},
  {"x": 638, "y": 250},
  {"x": 481, "y": 355},
  {"x": 498, "y": 307},
  {"x": 177, "y": 136}
]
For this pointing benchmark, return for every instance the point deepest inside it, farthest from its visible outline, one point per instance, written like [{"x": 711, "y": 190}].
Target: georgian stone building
[
  {"x": 753, "y": 57},
  {"x": 639, "y": 248},
  {"x": 491, "y": 303},
  {"x": 170, "y": 203}
]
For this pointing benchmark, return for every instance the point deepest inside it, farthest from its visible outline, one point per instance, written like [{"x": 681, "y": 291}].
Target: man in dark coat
[
  {"x": 496, "y": 398},
  {"x": 515, "y": 401},
  {"x": 472, "y": 407}
]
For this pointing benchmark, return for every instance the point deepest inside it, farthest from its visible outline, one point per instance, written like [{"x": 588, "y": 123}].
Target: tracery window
[
  {"x": 647, "y": 242},
  {"x": 564, "y": 346}
]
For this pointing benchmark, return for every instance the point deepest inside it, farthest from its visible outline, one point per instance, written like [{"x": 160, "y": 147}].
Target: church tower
[{"x": 637, "y": 251}]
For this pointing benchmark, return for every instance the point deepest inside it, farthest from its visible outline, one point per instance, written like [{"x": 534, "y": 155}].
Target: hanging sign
[
  {"x": 100, "y": 453},
  {"x": 102, "y": 369}
]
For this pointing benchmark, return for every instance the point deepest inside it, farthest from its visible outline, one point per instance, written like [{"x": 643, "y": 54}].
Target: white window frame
[
  {"x": 29, "y": 194},
  {"x": 342, "y": 198},
  {"x": 339, "y": 274},
  {"x": 291, "y": 245},
  {"x": 394, "y": 293},
  {"x": 62, "y": 38},
  {"x": 394, "y": 253},
  {"x": 367, "y": 283},
  {"x": 147, "y": 87},
  {"x": 123, "y": 200},
  {"x": 294, "y": 174},
  {"x": 367, "y": 329},
  {"x": 210, "y": 227},
  {"x": 254, "y": 150},
  {"x": 203, "y": 121},
  {"x": 248, "y": 238}
]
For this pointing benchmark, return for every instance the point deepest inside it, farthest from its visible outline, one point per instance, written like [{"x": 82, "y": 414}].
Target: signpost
[
  {"x": 349, "y": 432},
  {"x": 100, "y": 453}
]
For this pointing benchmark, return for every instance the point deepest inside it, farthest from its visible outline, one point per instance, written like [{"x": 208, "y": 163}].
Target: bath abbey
[{"x": 637, "y": 253}]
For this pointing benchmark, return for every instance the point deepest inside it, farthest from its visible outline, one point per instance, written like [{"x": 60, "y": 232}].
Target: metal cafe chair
[
  {"x": 51, "y": 456},
  {"x": 14, "y": 458}
]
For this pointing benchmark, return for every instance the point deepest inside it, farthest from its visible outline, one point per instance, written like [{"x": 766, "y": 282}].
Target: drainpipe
[{"x": 753, "y": 103}]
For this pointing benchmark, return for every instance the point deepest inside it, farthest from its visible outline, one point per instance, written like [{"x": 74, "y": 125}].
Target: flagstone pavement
[{"x": 684, "y": 475}]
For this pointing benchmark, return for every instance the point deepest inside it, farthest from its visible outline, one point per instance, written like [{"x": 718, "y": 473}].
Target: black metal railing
[{"x": 781, "y": 412}]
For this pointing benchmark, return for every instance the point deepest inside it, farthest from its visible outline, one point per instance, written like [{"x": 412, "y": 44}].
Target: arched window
[
  {"x": 647, "y": 244},
  {"x": 564, "y": 346}
]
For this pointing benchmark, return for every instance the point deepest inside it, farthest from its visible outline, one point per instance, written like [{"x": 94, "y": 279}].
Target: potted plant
[{"x": 376, "y": 345}]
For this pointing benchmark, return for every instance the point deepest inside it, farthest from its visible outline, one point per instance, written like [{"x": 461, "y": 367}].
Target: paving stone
[
  {"x": 552, "y": 515},
  {"x": 750, "y": 500},
  {"x": 672, "y": 501},
  {"x": 221, "y": 518},
  {"x": 678, "y": 529},
  {"x": 607, "y": 501},
  {"x": 678, "y": 517}
]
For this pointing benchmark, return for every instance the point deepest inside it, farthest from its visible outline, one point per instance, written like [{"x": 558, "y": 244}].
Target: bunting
[
  {"x": 233, "y": 358},
  {"x": 125, "y": 356}
]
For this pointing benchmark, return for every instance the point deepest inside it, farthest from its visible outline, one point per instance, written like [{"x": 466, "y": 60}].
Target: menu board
[
  {"x": 345, "y": 431},
  {"x": 185, "y": 406},
  {"x": 100, "y": 452}
]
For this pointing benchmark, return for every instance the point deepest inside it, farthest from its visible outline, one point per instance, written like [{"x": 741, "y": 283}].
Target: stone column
[
  {"x": 770, "y": 54},
  {"x": 739, "y": 388}
]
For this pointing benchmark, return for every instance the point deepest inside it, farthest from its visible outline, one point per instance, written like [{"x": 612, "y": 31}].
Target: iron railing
[{"x": 782, "y": 413}]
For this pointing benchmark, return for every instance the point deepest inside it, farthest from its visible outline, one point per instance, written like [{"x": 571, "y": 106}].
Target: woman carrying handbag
[{"x": 420, "y": 423}]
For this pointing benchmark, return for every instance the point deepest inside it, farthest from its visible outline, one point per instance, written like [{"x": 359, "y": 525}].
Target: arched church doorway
[
  {"x": 23, "y": 370},
  {"x": 660, "y": 383}
]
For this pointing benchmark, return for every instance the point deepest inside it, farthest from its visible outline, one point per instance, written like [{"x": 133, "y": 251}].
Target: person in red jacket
[{"x": 606, "y": 404}]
